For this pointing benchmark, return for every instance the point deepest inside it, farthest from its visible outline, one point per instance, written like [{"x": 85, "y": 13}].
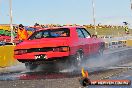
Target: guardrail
[{"x": 129, "y": 43}]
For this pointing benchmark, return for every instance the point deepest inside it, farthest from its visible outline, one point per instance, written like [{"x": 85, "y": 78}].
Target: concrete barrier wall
[
  {"x": 7, "y": 56},
  {"x": 125, "y": 41},
  {"x": 129, "y": 43}
]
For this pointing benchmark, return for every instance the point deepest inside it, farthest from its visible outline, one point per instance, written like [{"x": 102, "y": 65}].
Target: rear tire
[
  {"x": 100, "y": 52},
  {"x": 78, "y": 59},
  {"x": 31, "y": 66},
  {"x": 74, "y": 61}
]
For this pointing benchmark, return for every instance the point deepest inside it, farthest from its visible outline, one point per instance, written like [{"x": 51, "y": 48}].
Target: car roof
[{"x": 53, "y": 28}]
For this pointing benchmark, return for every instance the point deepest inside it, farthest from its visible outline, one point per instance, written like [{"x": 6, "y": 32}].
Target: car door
[
  {"x": 80, "y": 39},
  {"x": 91, "y": 42},
  {"x": 87, "y": 42}
]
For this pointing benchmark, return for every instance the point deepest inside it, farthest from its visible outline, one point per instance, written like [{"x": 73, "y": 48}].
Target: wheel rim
[
  {"x": 100, "y": 52},
  {"x": 79, "y": 58}
]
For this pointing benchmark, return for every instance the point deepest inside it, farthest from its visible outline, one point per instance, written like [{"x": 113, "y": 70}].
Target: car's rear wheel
[
  {"x": 78, "y": 59},
  {"x": 100, "y": 52},
  {"x": 31, "y": 66}
]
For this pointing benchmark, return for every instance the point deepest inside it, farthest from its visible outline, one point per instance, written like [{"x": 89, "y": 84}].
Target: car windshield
[{"x": 50, "y": 33}]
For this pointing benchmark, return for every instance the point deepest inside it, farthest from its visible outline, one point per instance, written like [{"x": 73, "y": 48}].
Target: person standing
[
  {"x": 22, "y": 33},
  {"x": 126, "y": 27}
]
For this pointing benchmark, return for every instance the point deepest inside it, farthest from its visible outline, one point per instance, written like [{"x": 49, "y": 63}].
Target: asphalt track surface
[{"x": 117, "y": 64}]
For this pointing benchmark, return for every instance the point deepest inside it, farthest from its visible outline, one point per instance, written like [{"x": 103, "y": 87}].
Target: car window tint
[
  {"x": 45, "y": 34},
  {"x": 62, "y": 32},
  {"x": 85, "y": 32},
  {"x": 80, "y": 34},
  {"x": 38, "y": 35},
  {"x": 50, "y": 33}
]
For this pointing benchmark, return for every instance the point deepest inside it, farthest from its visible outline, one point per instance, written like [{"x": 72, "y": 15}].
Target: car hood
[{"x": 39, "y": 43}]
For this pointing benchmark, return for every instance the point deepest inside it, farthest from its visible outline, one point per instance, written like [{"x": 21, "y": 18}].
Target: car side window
[
  {"x": 80, "y": 34},
  {"x": 86, "y": 33}
]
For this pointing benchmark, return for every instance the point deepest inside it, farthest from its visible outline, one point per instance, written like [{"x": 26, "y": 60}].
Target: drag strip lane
[{"x": 19, "y": 77}]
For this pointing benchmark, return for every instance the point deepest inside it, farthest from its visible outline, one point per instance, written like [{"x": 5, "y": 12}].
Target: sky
[{"x": 28, "y": 12}]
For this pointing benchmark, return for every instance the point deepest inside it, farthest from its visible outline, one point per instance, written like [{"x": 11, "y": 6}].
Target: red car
[{"x": 68, "y": 44}]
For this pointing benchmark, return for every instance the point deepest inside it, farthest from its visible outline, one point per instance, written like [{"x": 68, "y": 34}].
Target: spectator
[
  {"x": 22, "y": 33},
  {"x": 36, "y": 25}
]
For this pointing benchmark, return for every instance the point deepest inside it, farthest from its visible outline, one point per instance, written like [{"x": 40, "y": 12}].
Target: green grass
[{"x": 110, "y": 31}]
